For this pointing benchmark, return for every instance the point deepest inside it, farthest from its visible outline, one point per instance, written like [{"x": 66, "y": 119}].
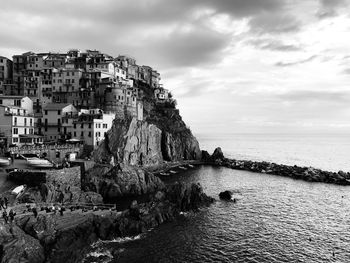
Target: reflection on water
[{"x": 276, "y": 219}]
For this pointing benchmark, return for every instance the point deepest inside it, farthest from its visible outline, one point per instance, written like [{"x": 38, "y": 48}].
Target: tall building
[
  {"x": 5, "y": 75},
  {"x": 50, "y": 125},
  {"x": 17, "y": 121}
]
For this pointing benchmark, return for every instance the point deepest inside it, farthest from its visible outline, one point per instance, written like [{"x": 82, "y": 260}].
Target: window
[
  {"x": 75, "y": 134},
  {"x": 105, "y": 125},
  {"x": 31, "y": 122},
  {"x": 59, "y": 112},
  {"x": 82, "y": 134},
  {"x": 89, "y": 134},
  {"x": 75, "y": 125},
  {"x": 30, "y": 131},
  {"x": 25, "y": 121},
  {"x": 15, "y": 130},
  {"x": 15, "y": 121},
  {"x": 25, "y": 130},
  {"x": 82, "y": 125},
  {"x": 45, "y": 112},
  {"x": 89, "y": 125},
  {"x": 15, "y": 140}
]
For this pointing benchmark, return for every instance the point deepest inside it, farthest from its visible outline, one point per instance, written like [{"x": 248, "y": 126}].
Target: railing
[{"x": 9, "y": 113}]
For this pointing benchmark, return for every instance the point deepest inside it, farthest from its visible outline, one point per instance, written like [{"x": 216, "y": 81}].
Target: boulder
[
  {"x": 226, "y": 195},
  {"x": 188, "y": 197},
  {"x": 217, "y": 154},
  {"x": 205, "y": 156}
]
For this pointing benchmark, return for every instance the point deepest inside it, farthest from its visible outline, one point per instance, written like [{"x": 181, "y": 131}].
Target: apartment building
[
  {"x": 90, "y": 126},
  {"x": 50, "y": 125}
]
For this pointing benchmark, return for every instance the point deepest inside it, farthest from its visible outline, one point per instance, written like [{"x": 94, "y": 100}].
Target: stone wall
[{"x": 51, "y": 151}]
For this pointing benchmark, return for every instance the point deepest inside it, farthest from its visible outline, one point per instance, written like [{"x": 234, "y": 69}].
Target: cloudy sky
[{"x": 233, "y": 65}]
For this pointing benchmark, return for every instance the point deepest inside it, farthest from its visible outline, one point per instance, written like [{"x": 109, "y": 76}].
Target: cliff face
[{"x": 163, "y": 137}]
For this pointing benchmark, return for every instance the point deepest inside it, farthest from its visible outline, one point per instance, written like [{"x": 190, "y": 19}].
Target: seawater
[
  {"x": 276, "y": 219},
  {"x": 325, "y": 151}
]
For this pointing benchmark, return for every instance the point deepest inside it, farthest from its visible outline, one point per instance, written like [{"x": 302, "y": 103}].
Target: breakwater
[{"x": 309, "y": 174}]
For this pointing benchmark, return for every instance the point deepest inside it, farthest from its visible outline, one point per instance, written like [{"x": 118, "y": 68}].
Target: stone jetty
[{"x": 303, "y": 173}]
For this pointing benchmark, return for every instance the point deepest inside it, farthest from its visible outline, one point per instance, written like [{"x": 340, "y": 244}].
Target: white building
[
  {"x": 18, "y": 101},
  {"x": 91, "y": 125},
  {"x": 17, "y": 126},
  {"x": 161, "y": 94}
]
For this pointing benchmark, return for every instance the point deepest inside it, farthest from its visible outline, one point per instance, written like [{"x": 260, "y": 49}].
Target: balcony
[{"x": 9, "y": 113}]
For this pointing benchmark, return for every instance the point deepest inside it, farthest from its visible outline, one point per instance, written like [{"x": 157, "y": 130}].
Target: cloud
[
  {"x": 273, "y": 44},
  {"x": 346, "y": 71},
  {"x": 288, "y": 64},
  {"x": 329, "y": 8},
  {"x": 334, "y": 97},
  {"x": 274, "y": 24}
]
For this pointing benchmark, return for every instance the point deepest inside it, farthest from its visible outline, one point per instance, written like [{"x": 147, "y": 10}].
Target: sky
[{"x": 234, "y": 66}]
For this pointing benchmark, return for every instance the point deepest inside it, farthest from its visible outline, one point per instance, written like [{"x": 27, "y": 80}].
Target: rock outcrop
[
  {"x": 112, "y": 182},
  {"x": 226, "y": 195},
  {"x": 161, "y": 136},
  {"x": 131, "y": 142},
  {"x": 66, "y": 238},
  {"x": 17, "y": 246}
]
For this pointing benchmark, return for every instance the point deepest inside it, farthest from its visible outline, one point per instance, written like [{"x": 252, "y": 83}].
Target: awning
[{"x": 73, "y": 140}]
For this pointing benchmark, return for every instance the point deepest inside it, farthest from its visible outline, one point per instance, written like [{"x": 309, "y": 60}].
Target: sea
[
  {"x": 329, "y": 152},
  {"x": 276, "y": 219}
]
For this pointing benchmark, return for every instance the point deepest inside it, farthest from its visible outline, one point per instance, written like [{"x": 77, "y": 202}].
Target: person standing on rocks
[
  {"x": 2, "y": 203},
  {"x": 4, "y": 216},
  {"x": 35, "y": 212},
  {"x": 6, "y": 201},
  {"x": 12, "y": 215}
]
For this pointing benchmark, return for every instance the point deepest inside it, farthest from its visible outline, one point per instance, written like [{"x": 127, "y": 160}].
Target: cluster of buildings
[{"x": 74, "y": 96}]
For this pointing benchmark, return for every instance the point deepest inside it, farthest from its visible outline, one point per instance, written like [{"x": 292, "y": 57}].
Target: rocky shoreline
[
  {"x": 55, "y": 238},
  {"x": 296, "y": 172}
]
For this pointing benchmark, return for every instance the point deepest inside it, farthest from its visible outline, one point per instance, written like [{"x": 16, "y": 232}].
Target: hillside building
[
  {"x": 90, "y": 126},
  {"x": 50, "y": 125}
]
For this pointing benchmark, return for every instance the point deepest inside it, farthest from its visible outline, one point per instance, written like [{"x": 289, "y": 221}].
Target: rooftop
[{"x": 56, "y": 106}]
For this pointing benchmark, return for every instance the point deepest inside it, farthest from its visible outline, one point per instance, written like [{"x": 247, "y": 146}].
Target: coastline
[
  {"x": 308, "y": 174},
  {"x": 70, "y": 238}
]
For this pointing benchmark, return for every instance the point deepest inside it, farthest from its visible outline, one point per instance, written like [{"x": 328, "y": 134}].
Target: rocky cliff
[{"x": 161, "y": 136}]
